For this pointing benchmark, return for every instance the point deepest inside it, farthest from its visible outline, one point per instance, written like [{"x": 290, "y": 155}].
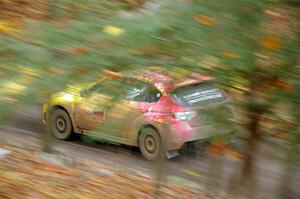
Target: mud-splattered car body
[{"x": 127, "y": 102}]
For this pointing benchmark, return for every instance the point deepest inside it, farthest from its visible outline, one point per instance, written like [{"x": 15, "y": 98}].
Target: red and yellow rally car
[{"x": 157, "y": 110}]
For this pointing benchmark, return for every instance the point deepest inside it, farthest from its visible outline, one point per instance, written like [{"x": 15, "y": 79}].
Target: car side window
[{"x": 142, "y": 92}]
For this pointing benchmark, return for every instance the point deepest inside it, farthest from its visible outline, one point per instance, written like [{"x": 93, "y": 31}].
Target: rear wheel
[
  {"x": 150, "y": 144},
  {"x": 60, "y": 124}
]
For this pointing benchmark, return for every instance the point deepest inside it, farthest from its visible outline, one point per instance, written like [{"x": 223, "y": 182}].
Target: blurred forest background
[{"x": 250, "y": 46}]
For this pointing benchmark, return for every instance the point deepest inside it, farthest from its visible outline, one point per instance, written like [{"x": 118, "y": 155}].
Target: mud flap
[{"x": 172, "y": 154}]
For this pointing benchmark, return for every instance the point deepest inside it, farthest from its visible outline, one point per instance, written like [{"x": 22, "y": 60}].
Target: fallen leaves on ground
[
  {"x": 220, "y": 148},
  {"x": 25, "y": 174}
]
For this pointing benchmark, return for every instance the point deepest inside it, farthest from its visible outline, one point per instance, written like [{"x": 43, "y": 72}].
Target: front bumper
[{"x": 45, "y": 111}]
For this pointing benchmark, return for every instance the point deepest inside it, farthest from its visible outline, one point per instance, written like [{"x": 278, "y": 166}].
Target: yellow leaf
[
  {"x": 205, "y": 20},
  {"x": 4, "y": 27},
  {"x": 112, "y": 30}
]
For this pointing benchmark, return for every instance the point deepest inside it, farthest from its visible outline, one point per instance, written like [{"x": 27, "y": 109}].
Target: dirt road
[{"x": 202, "y": 171}]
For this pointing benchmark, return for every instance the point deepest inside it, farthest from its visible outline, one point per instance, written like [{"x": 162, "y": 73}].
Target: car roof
[{"x": 166, "y": 80}]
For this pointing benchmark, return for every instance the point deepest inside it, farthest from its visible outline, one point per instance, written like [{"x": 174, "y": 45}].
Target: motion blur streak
[{"x": 157, "y": 99}]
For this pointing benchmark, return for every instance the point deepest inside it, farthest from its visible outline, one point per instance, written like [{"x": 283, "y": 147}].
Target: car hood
[{"x": 76, "y": 88}]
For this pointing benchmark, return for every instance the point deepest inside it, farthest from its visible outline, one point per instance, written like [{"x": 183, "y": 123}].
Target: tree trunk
[
  {"x": 246, "y": 181},
  {"x": 251, "y": 145}
]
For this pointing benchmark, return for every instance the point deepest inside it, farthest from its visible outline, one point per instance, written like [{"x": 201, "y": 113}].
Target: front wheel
[
  {"x": 150, "y": 144},
  {"x": 60, "y": 124}
]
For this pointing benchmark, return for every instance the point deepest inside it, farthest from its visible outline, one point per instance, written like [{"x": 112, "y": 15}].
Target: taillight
[{"x": 184, "y": 116}]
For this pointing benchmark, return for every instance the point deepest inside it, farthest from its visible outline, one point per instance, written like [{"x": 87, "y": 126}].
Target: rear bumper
[{"x": 181, "y": 133}]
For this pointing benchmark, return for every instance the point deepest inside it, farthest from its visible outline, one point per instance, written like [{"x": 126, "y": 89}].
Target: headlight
[
  {"x": 185, "y": 115},
  {"x": 68, "y": 97}
]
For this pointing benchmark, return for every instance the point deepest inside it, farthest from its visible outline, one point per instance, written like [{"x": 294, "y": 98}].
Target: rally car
[{"x": 150, "y": 108}]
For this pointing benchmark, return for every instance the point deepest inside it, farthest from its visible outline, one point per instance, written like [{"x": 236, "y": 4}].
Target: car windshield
[{"x": 197, "y": 94}]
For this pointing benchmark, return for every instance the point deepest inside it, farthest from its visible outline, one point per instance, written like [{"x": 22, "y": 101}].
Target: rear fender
[{"x": 141, "y": 122}]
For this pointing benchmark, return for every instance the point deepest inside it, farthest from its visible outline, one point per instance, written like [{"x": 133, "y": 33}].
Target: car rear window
[{"x": 197, "y": 94}]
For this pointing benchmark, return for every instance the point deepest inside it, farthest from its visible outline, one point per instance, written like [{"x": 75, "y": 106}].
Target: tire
[
  {"x": 60, "y": 124},
  {"x": 150, "y": 144}
]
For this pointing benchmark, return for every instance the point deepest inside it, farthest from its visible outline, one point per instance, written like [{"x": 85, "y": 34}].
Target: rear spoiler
[
  {"x": 195, "y": 79},
  {"x": 202, "y": 77}
]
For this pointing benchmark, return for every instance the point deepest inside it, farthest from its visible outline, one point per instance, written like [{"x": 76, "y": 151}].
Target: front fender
[{"x": 64, "y": 101}]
